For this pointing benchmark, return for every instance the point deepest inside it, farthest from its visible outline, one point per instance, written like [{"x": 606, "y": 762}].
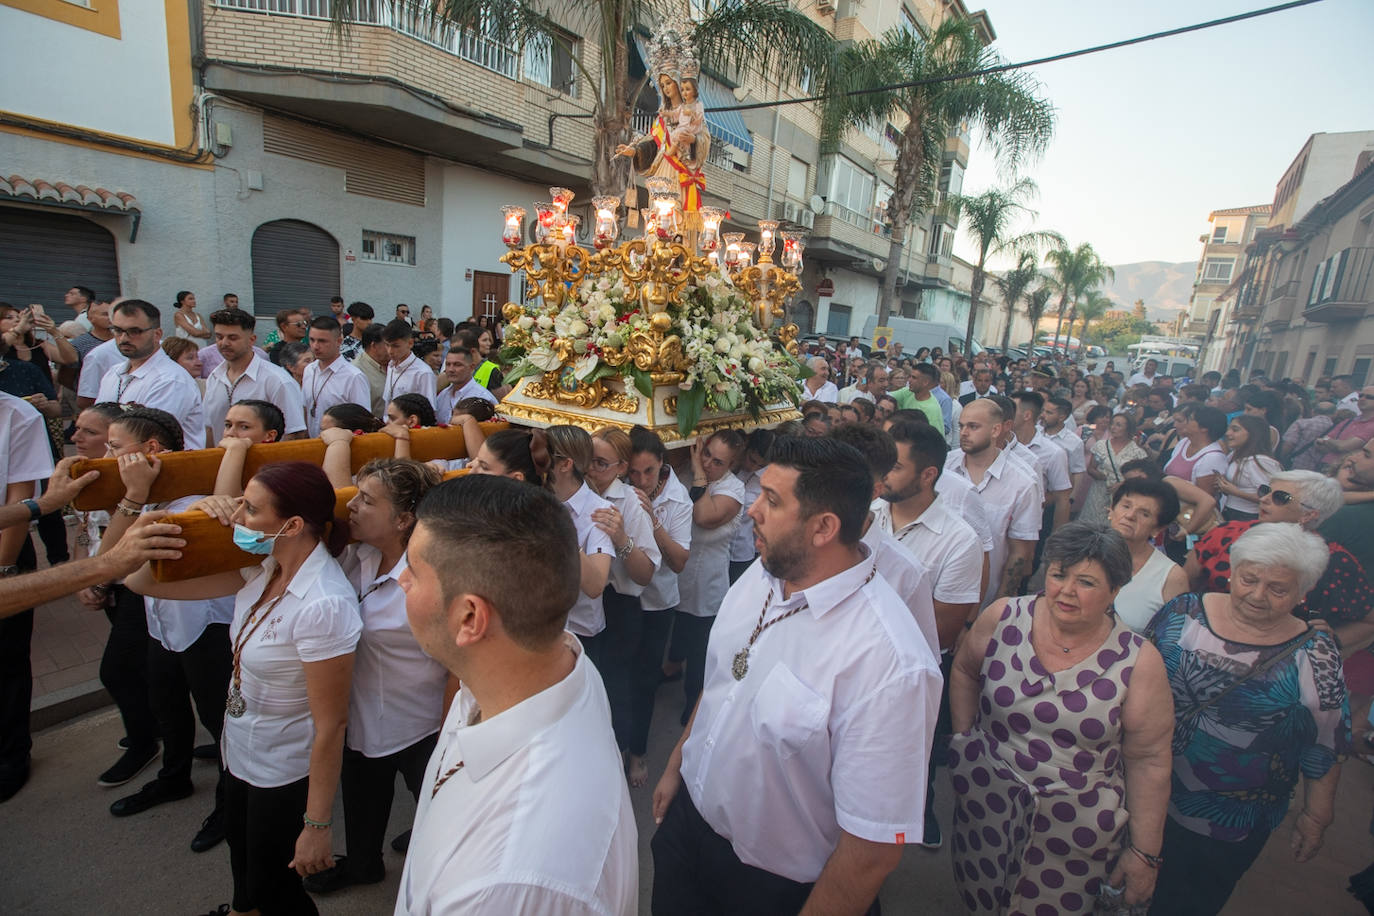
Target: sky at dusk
[{"x": 1153, "y": 137}]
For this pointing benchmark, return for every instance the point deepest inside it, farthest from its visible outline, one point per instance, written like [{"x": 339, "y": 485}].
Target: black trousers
[
  {"x": 737, "y": 568},
  {"x": 124, "y": 666},
  {"x": 369, "y": 784},
  {"x": 646, "y": 671},
  {"x": 262, "y": 826},
  {"x": 616, "y": 647},
  {"x": 200, "y": 673},
  {"x": 16, "y": 678},
  {"x": 696, "y": 873},
  {"x": 943, "y": 729},
  {"x": 694, "y": 632},
  {"x": 1199, "y": 873}
]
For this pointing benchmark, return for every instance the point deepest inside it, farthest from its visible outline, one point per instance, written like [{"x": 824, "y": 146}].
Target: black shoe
[
  {"x": 211, "y": 832},
  {"x": 150, "y": 796},
  {"x": 339, "y": 877},
  {"x": 221, "y": 910},
  {"x": 402, "y": 842},
  {"x": 931, "y": 838},
  {"x": 134, "y": 761},
  {"x": 206, "y": 752},
  {"x": 12, "y": 779},
  {"x": 123, "y": 743}
]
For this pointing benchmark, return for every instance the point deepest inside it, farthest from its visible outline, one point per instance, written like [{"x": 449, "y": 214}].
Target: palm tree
[
  {"x": 1036, "y": 300},
  {"x": 768, "y": 36},
  {"x": 1093, "y": 307},
  {"x": 873, "y": 84},
  {"x": 1012, "y": 285},
  {"x": 989, "y": 217},
  {"x": 1075, "y": 271}
]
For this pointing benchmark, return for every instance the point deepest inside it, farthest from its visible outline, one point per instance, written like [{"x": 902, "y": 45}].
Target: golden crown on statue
[{"x": 673, "y": 330}]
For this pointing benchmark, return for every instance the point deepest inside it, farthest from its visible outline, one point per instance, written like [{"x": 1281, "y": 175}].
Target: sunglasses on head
[{"x": 1280, "y": 497}]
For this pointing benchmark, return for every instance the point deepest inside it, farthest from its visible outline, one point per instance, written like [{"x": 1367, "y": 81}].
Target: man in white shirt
[
  {"x": 150, "y": 377},
  {"x": 978, "y": 386},
  {"x": 1346, "y": 394},
  {"x": 459, "y": 365},
  {"x": 246, "y": 376},
  {"x": 99, "y": 360},
  {"x": 1050, "y": 460},
  {"x": 872, "y": 384},
  {"x": 330, "y": 379},
  {"x": 25, "y": 458},
  {"x": 791, "y": 789},
  {"x": 1054, "y": 420},
  {"x": 1146, "y": 375},
  {"x": 1010, "y": 496},
  {"x": 524, "y": 807},
  {"x": 406, "y": 373}
]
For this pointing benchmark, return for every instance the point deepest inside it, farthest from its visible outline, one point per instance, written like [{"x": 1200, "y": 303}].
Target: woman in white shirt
[
  {"x": 717, "y": 496},
  {"x": 571, "y": 449},
  {"x": 660, "y": 492},
  {"x": 1249, "y": 464},
  {"x": 399, "y": 693},
  {"x": 631, "y": 530},
  {"x": 295, "y": 627},
  {"x": 189, "y": 324}
]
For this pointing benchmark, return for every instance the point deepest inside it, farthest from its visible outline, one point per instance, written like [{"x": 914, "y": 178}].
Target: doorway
[{"x": 490, "y": 291}]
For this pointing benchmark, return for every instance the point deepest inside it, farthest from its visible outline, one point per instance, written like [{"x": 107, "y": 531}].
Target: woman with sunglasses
[{"x": 1342, "y": 598}]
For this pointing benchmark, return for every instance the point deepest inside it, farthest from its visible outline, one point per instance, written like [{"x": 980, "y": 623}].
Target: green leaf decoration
[
  {"x": 689, "y": 407},
  {"x": 643, "y": 381}
]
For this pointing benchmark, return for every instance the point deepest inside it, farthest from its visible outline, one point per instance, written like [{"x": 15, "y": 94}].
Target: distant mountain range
[{"x": 1165, "y": 287}]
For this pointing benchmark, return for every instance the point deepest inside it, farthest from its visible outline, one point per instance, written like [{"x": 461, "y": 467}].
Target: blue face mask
[{"x": 250, "y": 541}]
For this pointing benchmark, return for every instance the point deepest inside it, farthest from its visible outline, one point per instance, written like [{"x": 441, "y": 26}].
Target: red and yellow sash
[{"x": 692, "y": 183}]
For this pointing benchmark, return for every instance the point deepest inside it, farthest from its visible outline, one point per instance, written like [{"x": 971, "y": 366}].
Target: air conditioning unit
[
  {"x": 792, "y": 212},
  {"x": 807, "y": 218}
]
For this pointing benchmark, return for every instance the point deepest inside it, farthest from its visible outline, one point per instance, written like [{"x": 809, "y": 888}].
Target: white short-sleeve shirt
[
  {"x": 24, "y": 451},
  {"x": 1053, "y": 463},
  {"x": 316, "y": 619},
  {"x": 538, "y": 819},
  {"x": 828, "y": 393},
  {"x": 909, "y": 578},
  {"x": 639, "y": 527},
  {"x": 588, "y": 616},
  {"x": 705, "y": 579},
  {"x": 672, "y": 510},
  {"x": 178, "y": 624},
  {"x": 260, "y": 381},
  {"x": 1072, "y": 444},
  {"x": 323, "y": 387},
  {"x": 1012, "y": 500},
  {"x": 398, "y": 691},
  {"x": 101, "y": 359},
  {"x": 809, "y": 742},
  {"x": 966, "y": 503},
  {"x": 945, "y": 543},
  {"x": 742, "y": 544},
  {"x": 414, "y": 376},
  {"x": 162, "y": 383}
]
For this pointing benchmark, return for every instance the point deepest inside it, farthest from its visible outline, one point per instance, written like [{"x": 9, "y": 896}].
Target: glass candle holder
[
  {"x": 544, "y": 218},
  {"x": 562, "y": 197},
  {"x": 513, "y": 229},
  {"x": 606, "y": 228},
  {"x": 768, "y": 231},
  {"x": 565, "y": 234},
  {"x": 732, "y": 242},
  {"x": 650, "y": 217},
  {"x": 792, "y": 246},
  {"x": 709, "y": 238},
  {"x": 746, "y": 254},
  {"x": 667, "y": 215}
]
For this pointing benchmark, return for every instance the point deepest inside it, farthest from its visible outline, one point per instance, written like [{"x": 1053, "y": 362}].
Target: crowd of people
[{"x": 1130, "y": 617}]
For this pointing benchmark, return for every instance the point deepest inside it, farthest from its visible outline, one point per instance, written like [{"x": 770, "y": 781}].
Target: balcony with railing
[
  {"x": 1342, "y": 287},
  {"x": 1278, "y": 311}
]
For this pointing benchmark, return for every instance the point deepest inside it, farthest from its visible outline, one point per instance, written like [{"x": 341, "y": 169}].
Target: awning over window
[
  {"x": 725, "y": 126},
  {"x": 71, "y": 197}
]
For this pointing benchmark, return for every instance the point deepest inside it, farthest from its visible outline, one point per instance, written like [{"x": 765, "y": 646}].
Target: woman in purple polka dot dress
[{"x": 1062, "y": 717}]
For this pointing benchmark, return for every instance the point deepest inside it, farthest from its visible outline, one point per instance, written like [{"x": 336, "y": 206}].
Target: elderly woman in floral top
[{"x": 1259, "y": 703}]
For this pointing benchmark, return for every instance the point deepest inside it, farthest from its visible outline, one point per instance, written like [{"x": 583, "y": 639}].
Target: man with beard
[
  {"x": 149, "y": 376},
  {"x": 1010, "y": 495},
  {"x": 791, "y": 787},
  {"x": 246, "y": 376}
]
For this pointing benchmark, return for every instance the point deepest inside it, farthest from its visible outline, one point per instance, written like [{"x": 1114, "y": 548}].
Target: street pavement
[{"x": 63, "y": 853}]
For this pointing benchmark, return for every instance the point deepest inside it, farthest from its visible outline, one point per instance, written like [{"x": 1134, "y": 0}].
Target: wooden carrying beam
[
  {"x": 193, "y": 473},
  {"x": 210, "y": 545}
]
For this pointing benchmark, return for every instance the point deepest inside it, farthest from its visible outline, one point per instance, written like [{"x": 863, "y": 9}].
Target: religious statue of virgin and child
[{"x": 678, "y": 142}]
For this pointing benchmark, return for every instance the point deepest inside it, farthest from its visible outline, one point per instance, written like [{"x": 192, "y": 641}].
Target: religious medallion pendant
[
  {"x": 740, "y": 666},
  {"x": 235, "y": 705}
]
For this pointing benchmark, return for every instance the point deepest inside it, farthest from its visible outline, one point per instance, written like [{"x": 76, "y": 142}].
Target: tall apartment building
[
  {"x": 1299, "y": 306},
  {"x": 1221, "y": 261},
  {"x": 244, "y": 146}
]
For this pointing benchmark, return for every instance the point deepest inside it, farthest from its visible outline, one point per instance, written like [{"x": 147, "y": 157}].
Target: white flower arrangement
[{"x": 732, "y": 364}]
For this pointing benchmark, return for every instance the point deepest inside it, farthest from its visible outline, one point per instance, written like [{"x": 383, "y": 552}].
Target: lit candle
[
  {"x": 709, "y": 238},
  {"x": 767, "y": 229},
  {"x": 732, "y": 242},
  {"x": 746, "y": 254},
  {"x": 606, "y": 228},
  {"x": 792, "y": 246},
  {"x": 561, "y": 198},
  {"x": 545, "y": 216},
  {"x": 513, "y": 233}
]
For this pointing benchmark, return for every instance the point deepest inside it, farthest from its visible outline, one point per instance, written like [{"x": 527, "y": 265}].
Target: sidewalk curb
[{"x": 67, "y": 703}]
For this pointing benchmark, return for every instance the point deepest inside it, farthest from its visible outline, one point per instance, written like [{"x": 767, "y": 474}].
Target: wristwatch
[
  {"x": 34, "y": 509},
  {"x": 629, "y": 548}
]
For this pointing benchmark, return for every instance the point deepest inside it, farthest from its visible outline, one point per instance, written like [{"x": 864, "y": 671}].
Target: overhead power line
[{"x": 1053, "y": 58}]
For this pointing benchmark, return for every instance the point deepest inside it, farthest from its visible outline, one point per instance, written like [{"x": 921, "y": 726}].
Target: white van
[{"x": 913, "y": 334}]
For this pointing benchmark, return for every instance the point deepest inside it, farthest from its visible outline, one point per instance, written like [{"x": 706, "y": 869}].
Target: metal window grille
[{"x": 388, "y": 248}]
